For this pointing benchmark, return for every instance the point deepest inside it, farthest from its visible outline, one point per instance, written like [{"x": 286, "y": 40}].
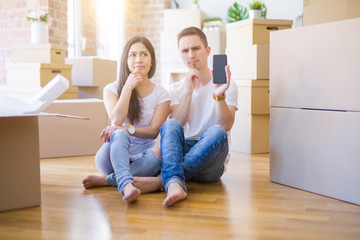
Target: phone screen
[{"x": 219, "y": 63}]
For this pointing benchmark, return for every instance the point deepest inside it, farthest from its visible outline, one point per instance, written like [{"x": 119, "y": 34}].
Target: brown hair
[
  {"x": 193, "y": 31},
  {"x": 134, "y": 112}
]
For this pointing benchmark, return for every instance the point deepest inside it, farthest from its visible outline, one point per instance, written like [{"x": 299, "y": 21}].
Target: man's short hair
[{"x": 193, "y": 31}]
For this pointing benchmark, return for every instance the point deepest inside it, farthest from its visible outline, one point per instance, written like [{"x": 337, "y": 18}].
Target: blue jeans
[
  {"x": 113, "y": 160},
  {"x": 196, "y": 160}
]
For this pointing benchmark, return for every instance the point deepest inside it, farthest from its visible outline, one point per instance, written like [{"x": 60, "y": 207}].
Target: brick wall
[{"x": 143, "y": 17}]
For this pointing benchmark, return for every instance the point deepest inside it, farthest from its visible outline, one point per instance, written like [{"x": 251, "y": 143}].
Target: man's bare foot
[
  {"x": 175, "y": 193},
  {"x": 147, "y": 184},
  {"x": 95, "y": 181},
  {"x": 131, "y": 193}
]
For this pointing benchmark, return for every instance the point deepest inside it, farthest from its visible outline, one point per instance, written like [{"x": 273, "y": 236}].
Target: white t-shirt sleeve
[
  {"x": 162, "y": 94},
  {"x": 231, "y": 95},
  {"x": 113, "y": 87}
]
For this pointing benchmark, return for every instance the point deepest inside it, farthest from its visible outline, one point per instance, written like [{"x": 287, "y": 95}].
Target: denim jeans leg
[
  {"x": 205, "y": 160},
  {"x": 172, "y": 145},
  {"x": 119, "y": 156},
  {"x": 102, "y": 159}
]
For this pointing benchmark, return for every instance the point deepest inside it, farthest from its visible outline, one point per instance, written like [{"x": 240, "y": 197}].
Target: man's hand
[
  {"x": 221, "y": 88},
  {"x": 191, "y": 78}
]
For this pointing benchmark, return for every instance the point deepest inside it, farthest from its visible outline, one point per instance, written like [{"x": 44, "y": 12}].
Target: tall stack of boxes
[
  {"x": 33, "y": 66},
  {"x": 175, "y": 20},
  {"x": 247, "y": 48}
]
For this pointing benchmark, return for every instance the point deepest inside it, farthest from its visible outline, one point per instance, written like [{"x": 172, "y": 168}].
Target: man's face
[{"x": 193, "y": 51}]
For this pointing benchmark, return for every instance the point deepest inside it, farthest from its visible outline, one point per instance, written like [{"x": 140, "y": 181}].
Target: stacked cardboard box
[
  {"x": 33, "y": 66},
  {"x": 247, "y": 48},
  {"x": 91, "y": 75}
]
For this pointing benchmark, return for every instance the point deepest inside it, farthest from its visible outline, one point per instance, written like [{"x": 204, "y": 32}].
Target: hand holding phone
[{"x": 219, "y": 63}]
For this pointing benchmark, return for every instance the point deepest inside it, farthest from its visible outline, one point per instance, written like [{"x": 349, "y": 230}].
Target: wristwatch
[
  {"x": 218, "y": 98},
  {"x": 131, "y": 129}
]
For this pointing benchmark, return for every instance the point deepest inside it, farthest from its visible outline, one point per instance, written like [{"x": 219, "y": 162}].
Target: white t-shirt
[
  {"x": 202, "y": 113},
  {"x": 149, "y": 104}
]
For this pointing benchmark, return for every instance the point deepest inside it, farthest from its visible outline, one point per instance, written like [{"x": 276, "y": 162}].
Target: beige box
[
  {"x": 316, "y": 66},
  {"x": 322, "y": 11},
  {"x": 38, "y": 75},
  {"x": 316, "y": 151},
  {"x": 90, "y": 92},
  {"x": 253, "y": 31},
  {"x": 253, "y": 96},
  {"x": 38, "y": 53},
  {"x": 92, "y": 72},
  {"x": 63, "y": 137},
  {"x": 249, "y": 62},
  {"x": 19, "y": 163},
  {"x": 169, "y": 52},
  {"x": 178, "y": 19},
  {"x": 250, "y": 133}
]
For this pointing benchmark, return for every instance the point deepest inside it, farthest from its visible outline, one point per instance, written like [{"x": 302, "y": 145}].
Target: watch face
[{"x": 131, "y": 129}]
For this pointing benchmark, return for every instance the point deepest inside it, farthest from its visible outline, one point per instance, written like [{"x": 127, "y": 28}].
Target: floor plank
[{"x": 244, "y": 204}]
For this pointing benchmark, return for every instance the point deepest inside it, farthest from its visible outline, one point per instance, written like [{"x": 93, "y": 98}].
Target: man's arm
[
  {"x": 181, "y": 111},
  {"x": 225, "y": 114}
]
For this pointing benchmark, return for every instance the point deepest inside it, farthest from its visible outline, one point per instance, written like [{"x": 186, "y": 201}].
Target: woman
[{"x": 137, "y": 108}]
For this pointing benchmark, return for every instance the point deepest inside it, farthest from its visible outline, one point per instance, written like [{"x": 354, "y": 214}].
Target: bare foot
[
  {"x": 131, "y": 193},
  {"x": 147, "y": 184},
  {"x": 175, "y": 193},
  {"x": 95, "y": 181}
]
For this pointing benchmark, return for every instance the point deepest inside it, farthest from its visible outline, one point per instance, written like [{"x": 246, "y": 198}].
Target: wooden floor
[{"x": 243, "y": 205}]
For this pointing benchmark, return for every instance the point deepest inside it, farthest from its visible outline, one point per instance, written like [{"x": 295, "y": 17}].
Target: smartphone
[{"x": 219, "y": 63}]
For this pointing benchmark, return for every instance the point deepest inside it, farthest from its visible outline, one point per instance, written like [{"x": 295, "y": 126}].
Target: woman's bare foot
[
  {"x": 175, "y": 193},
  {"x": 131, "y": 193},
  {"x": 95, "y": 181},
  {"x": 147, "y": 184}
]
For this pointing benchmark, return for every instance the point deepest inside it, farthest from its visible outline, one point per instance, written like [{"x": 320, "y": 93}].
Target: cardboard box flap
[{"x": 13, "y": 107}]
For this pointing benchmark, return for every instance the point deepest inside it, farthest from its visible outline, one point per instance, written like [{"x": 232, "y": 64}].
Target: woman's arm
[{"x": 161, "y": 113}]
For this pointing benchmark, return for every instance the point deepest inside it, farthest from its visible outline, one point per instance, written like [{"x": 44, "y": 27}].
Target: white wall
[{"x": 277, "y": 9}]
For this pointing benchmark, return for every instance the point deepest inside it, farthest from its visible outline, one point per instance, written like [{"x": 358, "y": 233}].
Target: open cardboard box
[{"x": 19, "y": 145}]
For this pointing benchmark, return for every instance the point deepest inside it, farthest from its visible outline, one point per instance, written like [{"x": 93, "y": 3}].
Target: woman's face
[{"x": 139, "y": 59}]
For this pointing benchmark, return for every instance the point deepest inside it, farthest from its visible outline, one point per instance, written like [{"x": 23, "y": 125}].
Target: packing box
[
  {"x": 322, "y": 11},
  {"x": 38, "y": 75},
  {"x": 316, "y": 66},
  {"x": 19, "y": 162},
  {"x": 250, "y": 133},
  {"x": 316, "y": 151},
  {"x": 253, "y": 97},
  {"x": 92, "y": 72},
  {"x": 62, "y": 137},
  {"x": 38, "y": 53},
  {"x": 253, "y": 31},
  {"x": 249, "y": 62},
  {"x": 178, "y": 19},
  {"x": 170, "y": 53}
]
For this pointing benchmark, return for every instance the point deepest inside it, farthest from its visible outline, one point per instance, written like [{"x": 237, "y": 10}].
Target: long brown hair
[{"x": 134, "y": 112}]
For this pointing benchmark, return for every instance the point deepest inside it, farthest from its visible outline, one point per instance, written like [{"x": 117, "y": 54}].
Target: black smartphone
[{"x": 219, "y": 63}]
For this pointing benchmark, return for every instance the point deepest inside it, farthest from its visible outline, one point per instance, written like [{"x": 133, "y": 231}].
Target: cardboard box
[
  {"x": 19, "y": 163},
  {"x": 38, "y": 75},
  {"x": 316, "y": 151},
  {"x": 19, "y": 146},
  {"x": 249, "y": 62},
  {"x": 92, "y": 72},
  {"x": 178, "y": 19},
  {"x": 316, "y": 66},
  {"x": 90, "y": 92},
  {"x": 253, "y": 97},
  {"x": 253, "y": 31},
  {"x": 38, "y": 53},
  {"x": 169, "y": 52},
  {"x": 322, "y": 11},
  {"x": 250, "y": 133},
  {"x": 63, "y": 137}
]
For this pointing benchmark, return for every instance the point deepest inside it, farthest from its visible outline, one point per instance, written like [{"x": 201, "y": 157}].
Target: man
[{"x": 194, "y": 143}]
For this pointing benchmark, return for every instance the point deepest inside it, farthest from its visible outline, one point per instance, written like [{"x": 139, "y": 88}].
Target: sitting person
[
  {"x": 137, "y": 108},
  {"x": 194, "y": 141}
]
